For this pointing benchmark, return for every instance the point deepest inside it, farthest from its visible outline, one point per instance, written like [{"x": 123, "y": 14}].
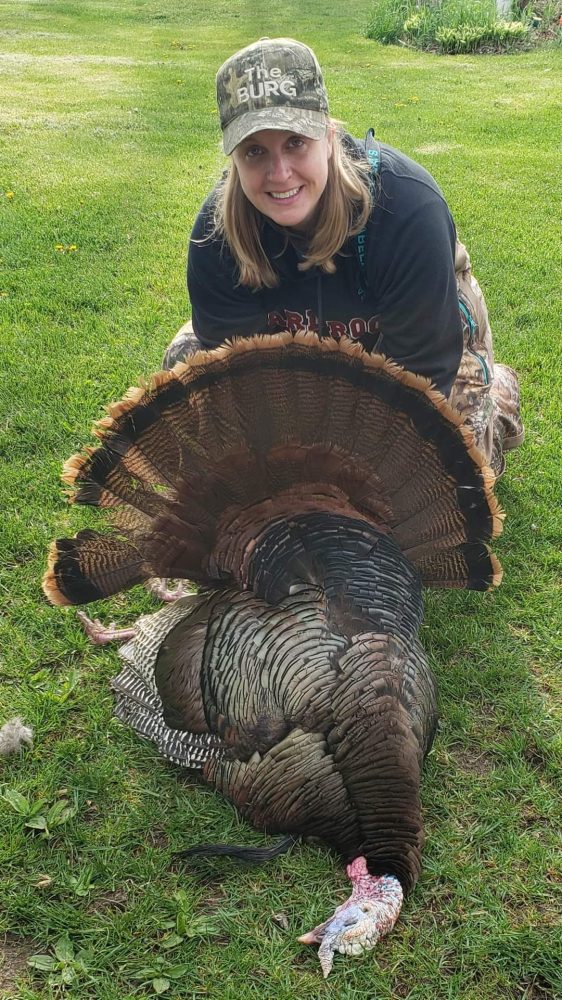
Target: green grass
[{"x": 109, "y": 142}]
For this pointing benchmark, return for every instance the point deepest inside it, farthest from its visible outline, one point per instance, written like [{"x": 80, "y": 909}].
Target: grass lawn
[{"x": 109, "y": 142}]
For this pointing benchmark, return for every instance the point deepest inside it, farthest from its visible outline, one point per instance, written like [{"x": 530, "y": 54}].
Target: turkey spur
[{"x": 310, "y": 490}]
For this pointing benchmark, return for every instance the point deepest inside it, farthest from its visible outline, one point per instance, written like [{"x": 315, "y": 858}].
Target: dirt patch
[
  {"x": 109, "y": 901},
  {"x": 212, "y": 901},
  {"x": 538, "y": 989},
  {"x": 14, "y": 952},
  {"x": 531, "y": 819},
  {"x": 156, "y": 837},
  {"x": 473, "y": 761},
  {"x": 534, "y": 756}
]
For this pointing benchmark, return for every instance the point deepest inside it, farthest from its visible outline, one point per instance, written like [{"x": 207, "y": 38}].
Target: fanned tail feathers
[{"x": 194, "y": 465}]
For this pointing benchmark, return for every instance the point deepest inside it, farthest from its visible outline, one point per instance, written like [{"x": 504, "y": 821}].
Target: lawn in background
[{"x": 109, "y": 142}]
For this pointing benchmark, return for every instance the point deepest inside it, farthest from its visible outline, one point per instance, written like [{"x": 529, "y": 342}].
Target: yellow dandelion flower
[
  {"x": 59, "y": 246},
  {"x": 72, "y": 247},
  {"x": 414, "y": 98},
  {"x": 9, "y": 194},
  {"x": 3, "y": 295}
]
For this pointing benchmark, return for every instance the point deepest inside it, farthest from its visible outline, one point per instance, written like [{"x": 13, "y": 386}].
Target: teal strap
[
  {"x": 373, "y": 152},
  {"x": 470, "y": 341},
  {"x": 374, "y": 156}
]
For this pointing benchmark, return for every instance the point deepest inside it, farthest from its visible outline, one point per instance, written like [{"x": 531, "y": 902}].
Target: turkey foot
[
  {"x": 100, "y": 634},
  {"x": 355, "y": 927},
  {"x": 159, "y": 587}
]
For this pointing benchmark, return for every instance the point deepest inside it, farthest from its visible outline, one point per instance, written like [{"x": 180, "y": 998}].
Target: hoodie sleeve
[
  {"x": 221, "y": 308},
  {"x": 419, "y": 316}
]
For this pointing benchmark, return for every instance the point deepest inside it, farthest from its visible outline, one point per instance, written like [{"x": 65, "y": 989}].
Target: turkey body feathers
[
  {"x": 308, "y": 731},
  {"x": 311, "y": 489}
]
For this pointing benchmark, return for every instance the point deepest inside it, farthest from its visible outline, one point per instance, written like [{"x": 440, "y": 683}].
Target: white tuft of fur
[{"x": 13, "y": 736}]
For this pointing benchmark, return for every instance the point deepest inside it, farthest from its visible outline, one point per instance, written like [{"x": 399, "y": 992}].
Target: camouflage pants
[
  {"x": 183, "y": 345},
  {"x": 487, "y": 394}
]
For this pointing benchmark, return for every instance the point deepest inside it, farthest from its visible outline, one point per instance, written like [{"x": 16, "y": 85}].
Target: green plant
[
  {"x": 64, "y": 967},
  {"x": 420, "y": 27},
  {"x": 82, "y": 884},
  {"x": 160, "y": 975},
  {"x": 56, "y": 690},
  {"x": 469, "y": 38},
  {"x": 387, "y": 20},
  {"x": 186, "y": 924},
  {"x": 38, "y": 814}
]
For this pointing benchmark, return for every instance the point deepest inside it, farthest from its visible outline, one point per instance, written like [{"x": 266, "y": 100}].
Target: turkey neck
[{"x": 368, "y": 584}]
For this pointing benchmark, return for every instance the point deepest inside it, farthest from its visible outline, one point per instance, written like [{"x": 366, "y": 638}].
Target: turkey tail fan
[{"x": 195, "y": 465}]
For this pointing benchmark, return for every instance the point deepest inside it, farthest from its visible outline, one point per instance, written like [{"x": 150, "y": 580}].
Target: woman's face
[{"x": 284, "y": 174}]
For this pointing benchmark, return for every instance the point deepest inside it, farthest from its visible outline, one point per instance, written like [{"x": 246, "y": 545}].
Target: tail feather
[
  {"x": 471, "y": 565},
  {"x": 280, "y": 423},
  {"x": 92, "y": 566}
]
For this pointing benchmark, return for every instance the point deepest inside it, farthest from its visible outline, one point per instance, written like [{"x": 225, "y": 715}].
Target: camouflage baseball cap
[{"x": 274, "y": 83}]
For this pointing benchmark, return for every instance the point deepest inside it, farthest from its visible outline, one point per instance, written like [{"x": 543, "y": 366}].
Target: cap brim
[{"x": 312, "y": 124}]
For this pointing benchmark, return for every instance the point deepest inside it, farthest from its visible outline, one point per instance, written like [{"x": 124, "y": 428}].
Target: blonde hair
[{"x": 343, "y": 210}]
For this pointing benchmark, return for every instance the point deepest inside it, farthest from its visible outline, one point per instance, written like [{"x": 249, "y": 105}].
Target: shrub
[
  {"x": 450, "y": 26},
  {"x": 469, "y": 38},
  {"x": 420, "y": 27},
  {"x": 387, "y": 20}
]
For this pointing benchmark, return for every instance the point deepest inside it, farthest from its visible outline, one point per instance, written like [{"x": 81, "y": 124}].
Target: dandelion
[
  {"x": 3, "y": 295},
  {"x": 399, "y": 105},
  {"x": 9, "y": 194},
  {"x": 72, "y": 248},
  {"x": 414, "y": 99},
  {"x": 59, "y": 247}
]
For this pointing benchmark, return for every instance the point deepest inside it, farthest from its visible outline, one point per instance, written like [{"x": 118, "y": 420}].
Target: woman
[{"x": 312, "y": 229}]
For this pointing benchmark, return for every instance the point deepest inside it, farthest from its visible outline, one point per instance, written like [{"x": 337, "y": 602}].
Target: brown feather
[
  {"x": 274, "y": 420},
  {"x": 310, "y": 485}
]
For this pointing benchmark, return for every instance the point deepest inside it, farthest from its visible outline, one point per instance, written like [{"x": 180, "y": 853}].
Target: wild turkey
[{"x": 310, "y": 490}]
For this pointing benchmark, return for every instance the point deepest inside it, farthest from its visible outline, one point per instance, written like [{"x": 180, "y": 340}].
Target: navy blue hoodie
[{"x": 403, "y": 302}]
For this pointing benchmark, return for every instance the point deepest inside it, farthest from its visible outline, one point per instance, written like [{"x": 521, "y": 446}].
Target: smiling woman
[
  {"x": 311, "y": 229},
  {"x": 284, "y": 175}
]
